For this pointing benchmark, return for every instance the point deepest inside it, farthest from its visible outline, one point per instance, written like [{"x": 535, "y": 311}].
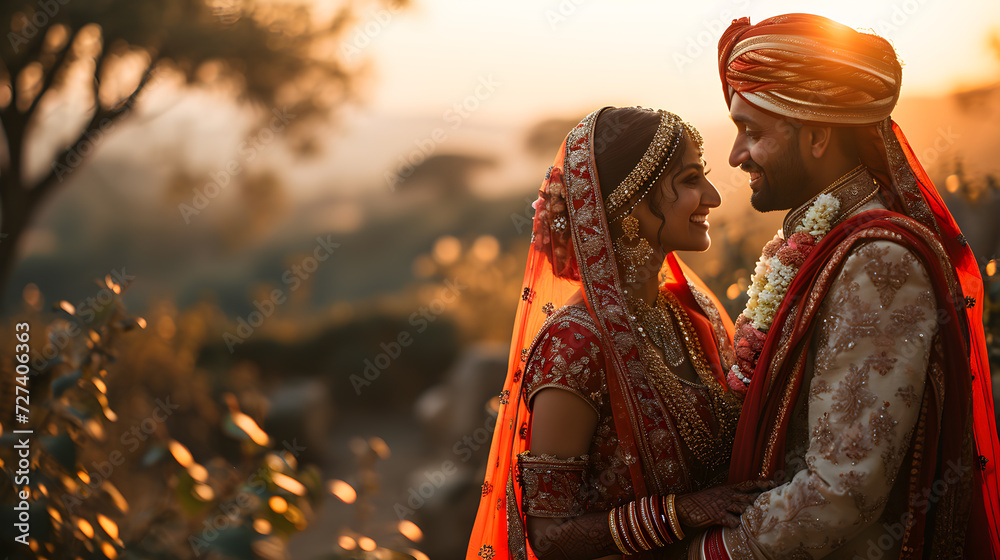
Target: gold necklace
[
  {"x": 709, "y": 447},
  {"x": 656, "y": 326}
]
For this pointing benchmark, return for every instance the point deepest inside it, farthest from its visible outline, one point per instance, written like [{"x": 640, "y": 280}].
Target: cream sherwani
[{"x": 852, "y": 426}]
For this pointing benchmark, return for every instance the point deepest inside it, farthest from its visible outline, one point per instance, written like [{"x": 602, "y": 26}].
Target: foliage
[{"x": 104, "y": 483}]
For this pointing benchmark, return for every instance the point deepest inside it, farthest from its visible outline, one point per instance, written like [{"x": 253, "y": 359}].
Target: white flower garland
[{"x": 771, "y": 278}]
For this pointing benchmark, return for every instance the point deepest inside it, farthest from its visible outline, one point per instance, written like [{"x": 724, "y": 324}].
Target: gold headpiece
[{"x": 657, "y": 157}]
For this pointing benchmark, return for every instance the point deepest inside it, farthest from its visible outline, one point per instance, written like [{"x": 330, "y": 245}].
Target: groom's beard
[{"x": 781, "y": 185}]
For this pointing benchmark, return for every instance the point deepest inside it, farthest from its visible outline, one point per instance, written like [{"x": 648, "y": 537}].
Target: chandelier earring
[{"x": 634, "y": 253}]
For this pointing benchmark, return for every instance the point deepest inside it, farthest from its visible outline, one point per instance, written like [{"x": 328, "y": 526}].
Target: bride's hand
[{"x": 721, "y": 505}]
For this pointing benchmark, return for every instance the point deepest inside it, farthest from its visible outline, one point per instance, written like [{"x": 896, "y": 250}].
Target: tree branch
[
  {"x": 102, "y": 120},
  {"x": 50, "y": 77},
  {"x": 17, "y": 65},
  {"x": 14, "y": 122},
  {"x": 10, "y": 119},
  {"x": 128, "y": 102}
]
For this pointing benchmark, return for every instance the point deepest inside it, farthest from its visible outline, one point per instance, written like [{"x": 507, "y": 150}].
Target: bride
[{"x": 615, "y": 421}]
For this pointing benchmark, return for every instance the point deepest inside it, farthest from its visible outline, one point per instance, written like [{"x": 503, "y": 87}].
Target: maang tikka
[{"x": 634, "y": 253}]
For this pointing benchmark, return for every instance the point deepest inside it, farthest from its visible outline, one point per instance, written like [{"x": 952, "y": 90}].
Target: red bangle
[
  {"x": 636, "y": 525},
  {"x": 627, "y": 539},
  {"x": 715, "y": 547},
  {"x": 656, "y": 503}
]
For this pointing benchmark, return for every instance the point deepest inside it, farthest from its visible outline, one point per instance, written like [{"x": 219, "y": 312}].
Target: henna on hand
[
  {"x": 586, "y": 536},
  {"x": 721, "y": 505}
]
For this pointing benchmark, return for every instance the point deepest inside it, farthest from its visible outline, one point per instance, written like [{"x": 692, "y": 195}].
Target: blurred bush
[{"x": 132, "y": 451}]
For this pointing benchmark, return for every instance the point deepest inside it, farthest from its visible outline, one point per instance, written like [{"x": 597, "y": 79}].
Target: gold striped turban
[{"x": 810, "y": 68}]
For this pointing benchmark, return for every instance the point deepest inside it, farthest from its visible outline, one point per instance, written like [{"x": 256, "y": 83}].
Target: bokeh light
[
  {"x": 447, "y": 250},
  {"x": 249, "y": 426},
  {"x": 347, "y": 543},
  {"x": 380, "y": 447},
  {"x": 262, "y": 526},
  {"x": 85, "y": 527},
  {"x": 109, "y": 526},
  {"x": 410, "y": 530},
  {"x": 343, "y": 491},
  {"x": 288, "y": 483},
  {"x": 180, "y": 453}
]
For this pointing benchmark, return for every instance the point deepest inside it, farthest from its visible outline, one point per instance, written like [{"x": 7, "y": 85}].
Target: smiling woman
[{"x": 615, "y": 422}]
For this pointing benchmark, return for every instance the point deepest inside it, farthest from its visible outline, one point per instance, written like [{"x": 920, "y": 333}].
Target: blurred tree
[
  {"x": 448, "y": 174},
  {"x": 544, "y": 137},
  {"x": 106, "y": 53}
]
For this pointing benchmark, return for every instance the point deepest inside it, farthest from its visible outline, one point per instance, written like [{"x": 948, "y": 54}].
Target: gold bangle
[
  {"x": 614, "y": 531},
  {"x": 675, "y": 523}
]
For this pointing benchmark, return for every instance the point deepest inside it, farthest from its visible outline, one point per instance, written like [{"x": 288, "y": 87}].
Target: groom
[{"x": 861, "y": 351}]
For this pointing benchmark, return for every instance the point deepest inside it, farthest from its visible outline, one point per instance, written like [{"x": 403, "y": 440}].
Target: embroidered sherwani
[
  {"x": 871, "y": 394},
  {"x": 849, "y": 435}
]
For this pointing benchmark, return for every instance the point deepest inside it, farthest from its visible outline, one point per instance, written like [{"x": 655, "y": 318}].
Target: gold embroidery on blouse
[
  {"x": 578, "y": 369},
  {"x": 552, "y": 487}
]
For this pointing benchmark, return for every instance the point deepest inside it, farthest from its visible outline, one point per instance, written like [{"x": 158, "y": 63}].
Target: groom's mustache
[{"x": 751, "y": 167}]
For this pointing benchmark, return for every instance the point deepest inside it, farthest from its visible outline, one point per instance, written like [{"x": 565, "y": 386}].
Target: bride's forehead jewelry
[{"x": 656, "y": 159}]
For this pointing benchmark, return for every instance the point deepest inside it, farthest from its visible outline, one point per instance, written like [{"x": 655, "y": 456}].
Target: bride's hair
[{"x": 621, "y": 136}]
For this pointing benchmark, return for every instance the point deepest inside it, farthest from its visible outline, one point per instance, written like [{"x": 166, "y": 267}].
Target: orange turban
[{"x": 810, "y": 68}]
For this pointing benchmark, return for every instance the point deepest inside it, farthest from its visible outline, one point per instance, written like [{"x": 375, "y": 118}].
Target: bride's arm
[{"x": 563, "y": 426}]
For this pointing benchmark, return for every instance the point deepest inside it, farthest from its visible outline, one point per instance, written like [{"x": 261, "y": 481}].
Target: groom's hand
[{"x": 721, "y": 505}]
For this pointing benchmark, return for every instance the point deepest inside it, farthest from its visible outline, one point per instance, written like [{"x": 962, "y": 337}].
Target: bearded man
[{"x": 861, "y": 351}]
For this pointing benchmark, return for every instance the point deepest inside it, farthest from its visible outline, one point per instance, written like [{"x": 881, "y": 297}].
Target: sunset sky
[
  {"x": 564, "y": 58},
  {"x": 559, "y": 54},
  {"x": 470, "y": 77}
]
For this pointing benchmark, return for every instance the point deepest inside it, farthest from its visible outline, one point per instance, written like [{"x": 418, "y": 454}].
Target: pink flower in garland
[
  {"x": 772, "y": 247},
  {"x": 792, "y": 257}
]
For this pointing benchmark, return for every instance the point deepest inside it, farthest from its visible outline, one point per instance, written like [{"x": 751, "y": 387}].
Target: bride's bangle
[
  {"x": 675, "y": 523},
  {"x": 641, "y": 524},
  {"x": 614, "y": 532}
]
